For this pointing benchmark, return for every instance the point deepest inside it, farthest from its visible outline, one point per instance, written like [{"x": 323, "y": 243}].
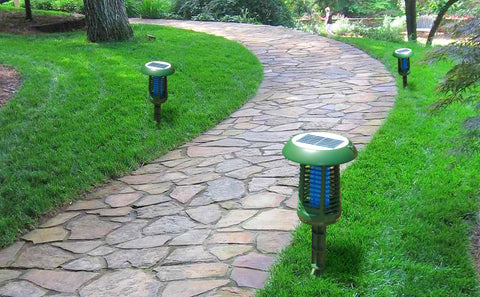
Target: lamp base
[
  {"x": 404, "y": 81},
  {"x": 157, "y": 112},
  {"x": 319, "y": 245}
]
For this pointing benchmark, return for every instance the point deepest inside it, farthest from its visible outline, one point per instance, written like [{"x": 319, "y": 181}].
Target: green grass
[
  {"x": 410, "y": 201},
  {"x": 81, "y": 115}
]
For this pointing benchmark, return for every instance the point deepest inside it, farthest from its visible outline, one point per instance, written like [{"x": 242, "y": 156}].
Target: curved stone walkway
[{"x": 208, "y": 218}]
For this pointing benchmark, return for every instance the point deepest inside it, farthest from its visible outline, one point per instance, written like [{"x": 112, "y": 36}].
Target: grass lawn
[
  {"x": 410, "y": 202},
  {"x": 81, "y": 115}
]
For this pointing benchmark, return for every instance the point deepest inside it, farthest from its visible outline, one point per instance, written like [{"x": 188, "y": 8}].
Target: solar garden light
[
  {"x": 403, "y": 55},
  {"x": 320, "y": 155},
  {"x": 157, "y": 84}
]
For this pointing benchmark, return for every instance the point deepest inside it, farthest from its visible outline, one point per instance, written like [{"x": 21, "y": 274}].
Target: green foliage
[
  {"x": 409, "y": 203},
  {"x": 391, "y": 30},
  {"x": 82, "y": 116},
  {"x": 342, "y": 26},
  {"x": 42, "y": 4},
  {"x": 465, "y": 75},
  {"x": 132, "y": 7},
  {"x": 68, "y": 5},
  {"x": 265, "y": 11},
  {"x": 154, "y": 9}
]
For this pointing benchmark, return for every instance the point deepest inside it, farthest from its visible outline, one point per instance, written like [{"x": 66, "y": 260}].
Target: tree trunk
[
  {"x": 107, "y": 20},
  {"x": 28, "y": 10},
  {"x": 411, "y": 14},
  {"x": 438, "y": 20}
]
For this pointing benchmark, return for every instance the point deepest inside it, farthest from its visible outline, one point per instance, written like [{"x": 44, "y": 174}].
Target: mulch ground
[{"x": 9, "y": 83}]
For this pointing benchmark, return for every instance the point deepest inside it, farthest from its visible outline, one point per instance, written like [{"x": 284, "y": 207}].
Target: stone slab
[
  {"x": 46, "y": 235},
  {"x": 60, "y": 281},
  {"x": 202, "y": 270},
  {"x": 123, "y": 283},
  {"x": 43, "y": 257},
  {"x": 191, "y": 288}
]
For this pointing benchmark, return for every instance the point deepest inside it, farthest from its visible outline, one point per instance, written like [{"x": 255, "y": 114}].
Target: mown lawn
[
  {"x": 81, "y": 115},
  {"x": 410, "y": 202}
]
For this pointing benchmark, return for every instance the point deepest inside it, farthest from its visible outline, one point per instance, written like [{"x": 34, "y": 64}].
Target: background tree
[
  {"x": 107, "y": 20},
  {"x": 411, "y": 15},
  {"x": 28, "y": 10},
  {"x": 438, "y": 20}
]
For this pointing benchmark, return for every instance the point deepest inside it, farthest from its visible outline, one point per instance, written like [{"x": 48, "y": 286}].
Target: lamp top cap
[
  {"x": 319, "y": 148},
  {"x": 403, "y": 53},
  {"x": 158, "y": 68}
]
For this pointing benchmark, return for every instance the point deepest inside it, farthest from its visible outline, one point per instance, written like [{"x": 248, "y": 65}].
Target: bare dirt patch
[{"x": 9, "y": 83}]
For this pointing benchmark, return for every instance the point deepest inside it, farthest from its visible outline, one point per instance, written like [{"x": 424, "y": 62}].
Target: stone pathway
[{"x": 208, "y": 218}]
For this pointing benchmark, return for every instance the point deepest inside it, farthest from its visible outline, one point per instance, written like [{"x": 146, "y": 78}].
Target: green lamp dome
[
  {"x": 319, "y": 149},
  {"x": 403, "y": 53},
  {"x": 158, "y": 68}
]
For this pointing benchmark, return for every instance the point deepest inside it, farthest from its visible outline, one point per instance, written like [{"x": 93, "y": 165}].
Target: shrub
[
  {"x": 69, "y": 5},
  {"x": 154, "y": 9},
  {"x": 272, "y": 12},
  {"x": 342, "y": 26},
  {"x": 391, "y": 30},
  {"x": 133, "y": 8},
  {"x": 42, "y": 4}
]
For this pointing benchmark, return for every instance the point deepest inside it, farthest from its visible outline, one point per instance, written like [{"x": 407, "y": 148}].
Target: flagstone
[
  {"x": 169, "y": 224},
  {"x": 8, "y": 255},
  {"x": 86, "y": 264},
  {"x": 244, "y": 173},
  {"x": 145, "y": 242},
  {"x": 227, "y": 251},
  {"x": 201, "y": 270},
  {"x": 151, "y": 200},
  {"x": 260, "y": 183},
  {"x": 249, "y": 278},
  {"x": 108, "y": 189},
  {"x": 230, "y": 165},
  {"x": 127, "y": 232},
  {"x": 90, "y": 227},
  {"x": 111, "y": 212},
  {"x": 275, "y": 219},
  {"x": 254, "y": 261},
  {"x": 21, "y": 289},
  {"x": 60, "y": 281},
  {"x": 59, "y": 219},
  {"x": 227, "y": 142},
  {"x": 122, "y": 200},
  {"x": 192, "y": 237},
  {"x": 79, "y": 247},
  {"x": 141, "y": 258},
  {"x": 224, "y": 189},
  {"x": 189, "y": 255},
  {"x": 42, "y": 256},
  {"x": 191, "y": 288},
  {"x": 154, "y": 189},
  {"x": 87, "y": 205},
  {"x": 102, "y": 251},
  {"x": 205, "y": 214},
  {"x": 198, "y": 151},
  {"x": 233, "y": 237},
  {"x": 157, "y": 210},
  {"x": 183, "y": 194},
  {"x": 198, "y": 179},
  {"x": 123, "y": 283},
  {"x": 6, "y": 274},
  {"x": 46, "y": 235},
  {"x": 234, "y": 217},
  {"x": 149, "y": 168},
  {"x": 234, "y": 292}
]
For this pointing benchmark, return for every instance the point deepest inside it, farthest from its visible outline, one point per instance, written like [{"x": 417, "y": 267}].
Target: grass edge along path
[
  {"x": 81, "y": 115},
  {"x": 410, "y": 201}
]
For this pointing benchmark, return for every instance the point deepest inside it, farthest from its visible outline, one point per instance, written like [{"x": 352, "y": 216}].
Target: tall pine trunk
[{"x": 107, "y": 20}]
